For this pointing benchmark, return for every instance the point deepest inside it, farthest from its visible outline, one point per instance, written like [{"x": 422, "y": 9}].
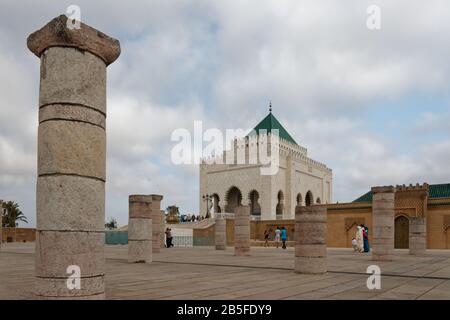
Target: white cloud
[{"x": 221, "y": 62}]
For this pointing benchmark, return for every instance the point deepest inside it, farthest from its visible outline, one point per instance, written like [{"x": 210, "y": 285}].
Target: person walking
[
  {"x": 266, "y": 238},
  {"x": 169, "y": 238},
  {"x": 277, "y": 236},
  {"x": 284, "y": 236},
  {"x": 365, "y": 231}
]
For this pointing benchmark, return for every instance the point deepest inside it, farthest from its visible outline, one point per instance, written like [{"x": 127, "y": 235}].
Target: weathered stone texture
[
  {"x": 220, "y": 233},
  {"x": 310, "y": 244},
  {"x": 140, "y": 251},
  {"x": 67, "y": 147},
  {"x": 139, "y": 229},
  {"x": 70, "y": 203},
  {"x": 383, "y": 214},
  {"x": 242, "y": 231},
  {"x": 71, "y": 156},
  {"x": 73, "y": 77},
  {"x": 56, "y": 34},
  {"x": 417, "y": 235},
  {"x": 56, "y": 250}
]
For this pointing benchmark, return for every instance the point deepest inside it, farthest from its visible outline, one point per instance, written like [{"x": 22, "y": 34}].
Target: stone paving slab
[{"x": 204, "y": 273}]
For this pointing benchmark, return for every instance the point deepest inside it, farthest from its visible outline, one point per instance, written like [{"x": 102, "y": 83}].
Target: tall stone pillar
[
  {"x": 156, "y": 222},
  {"x": 417, "y": 235},
  {"x": 220, "y": 232},
  {"x": 70, "y": 195},
  {"x": 1, "y": 225},
  {"x": 140, "y": 229},
  {"x": 162, "y": 235},
  {"x": 310, "y": 239},
  {"x": 383, "y": 215},
  {"x": 242, "y": 231}
]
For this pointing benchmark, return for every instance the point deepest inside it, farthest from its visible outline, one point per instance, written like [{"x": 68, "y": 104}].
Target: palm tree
[{"x": 12, "y": 215}]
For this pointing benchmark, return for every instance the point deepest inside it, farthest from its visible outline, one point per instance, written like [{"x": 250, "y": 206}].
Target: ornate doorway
[{"x": 401, "y": 233}]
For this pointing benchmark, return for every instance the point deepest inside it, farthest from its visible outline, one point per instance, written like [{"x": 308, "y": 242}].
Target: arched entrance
[
  {"x": 215, "y": 201},
  {"x": 447, "y": 238},
  {"x": 351, "y": 233},
  {"x": 255, "y": 208},
  {"x": 234, "y": 199},
  {"x": 280, "y": 204},
  {"x": 401, "y": 233},
  {"x": 299, "y": 199},
  {"x": 309, "y": 199}
]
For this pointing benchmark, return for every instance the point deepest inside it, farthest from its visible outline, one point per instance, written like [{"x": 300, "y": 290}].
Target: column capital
[
  {"x": 384, "y": 189},
  {"x": 156, "y": 197},
  {"x": 57, "y": 34}
]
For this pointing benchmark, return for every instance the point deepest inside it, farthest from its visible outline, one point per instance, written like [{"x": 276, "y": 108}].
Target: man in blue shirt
[{"x": 284, "y": 236}]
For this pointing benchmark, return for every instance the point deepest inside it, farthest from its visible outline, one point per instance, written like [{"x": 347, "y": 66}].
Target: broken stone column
[
  {"x": 220, "y": 232},
  {"x": 383, "y": 215},
  {"x": 156, "y": 222},
  {"x": 417, "y": 235},
  {"x": 242, "y": 231},
  {"x": 140, "y": 228},
  {"x": 70, "y": 193},
  {"x": 310, "y": 239},
  {"x": 162, "y": 235},
  {"x": 1, "y": 225}
]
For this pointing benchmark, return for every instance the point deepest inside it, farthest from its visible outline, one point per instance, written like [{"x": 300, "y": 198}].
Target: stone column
[
  {"x": 162, "y": 235},
  {"x": 140, "y": 229},
  {"x": 417, "y": 235},
  {"x": 310, "y": 239},
  {"x": 70, "y": 195},
  {"x": 220, "y": 232},
  {"x": 242, "y": 231},
  {"x": 1, "y": 225},
  {"x": 156, "y": 222},
  {"x": 383, "y": 215}
]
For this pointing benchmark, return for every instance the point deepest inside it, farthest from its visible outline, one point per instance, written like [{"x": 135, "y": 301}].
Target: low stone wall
[
  {"x": 19, "y": 235},
  {"x": 116, "y": 237}
]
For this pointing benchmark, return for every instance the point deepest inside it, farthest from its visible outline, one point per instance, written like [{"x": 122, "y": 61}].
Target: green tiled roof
[
  {"x": 434, "y": 191},
  {"x": 367, "y": 197},
  {"x": 439, "y": 191},
  {"x": 269, "y": 123}
]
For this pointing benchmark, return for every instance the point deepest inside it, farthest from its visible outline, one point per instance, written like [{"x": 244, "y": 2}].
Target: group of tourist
[
  {"x": 360, "y": 242},
  {"x": 191, "y": 218},
  {"x": 279, "y": 234},
  {"x": 169, "y": 238}
]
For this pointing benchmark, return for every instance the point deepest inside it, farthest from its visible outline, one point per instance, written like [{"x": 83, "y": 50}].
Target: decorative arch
[
  {"x": 401, "y": 232},
  {"x": 216, "y": 203},
  {"x": 309, "y": 199},
  {"x": 233, "y": 199},
  {"x": 299, "y": 199},
  {"x": 280, "y": 203},
  {"x": 255, "y": 208}
]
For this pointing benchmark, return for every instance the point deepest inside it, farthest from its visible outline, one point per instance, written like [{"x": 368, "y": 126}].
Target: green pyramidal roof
[
  {"x": 434, "y": 191},
  {"x": 269, "y": 123}
]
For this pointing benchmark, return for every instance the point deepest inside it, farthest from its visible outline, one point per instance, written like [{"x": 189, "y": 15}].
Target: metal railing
[{"x": 183, "y": 241}]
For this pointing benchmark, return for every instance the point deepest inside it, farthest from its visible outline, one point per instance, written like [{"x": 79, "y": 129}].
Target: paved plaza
[{"x": 204, "y": 273}]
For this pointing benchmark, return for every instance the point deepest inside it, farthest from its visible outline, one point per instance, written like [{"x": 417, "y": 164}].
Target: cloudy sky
[{"x": 371, "y": 104}]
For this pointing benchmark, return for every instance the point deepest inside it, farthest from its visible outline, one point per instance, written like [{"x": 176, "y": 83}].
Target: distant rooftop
[
  {"x": 435, "y": 191},
  {"x": 269, "y": 123}
]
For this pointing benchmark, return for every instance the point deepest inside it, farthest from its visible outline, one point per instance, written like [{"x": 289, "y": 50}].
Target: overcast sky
[{"x": 371, "y": 104}]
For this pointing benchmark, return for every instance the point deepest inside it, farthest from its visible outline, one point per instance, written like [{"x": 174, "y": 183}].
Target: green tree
[
  {"x": 111, "y": 224},
  {"x": 12, "y": 215}
]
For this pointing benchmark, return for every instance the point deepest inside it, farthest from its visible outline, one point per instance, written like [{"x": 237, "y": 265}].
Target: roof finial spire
[{"x": 270, "y": 106}]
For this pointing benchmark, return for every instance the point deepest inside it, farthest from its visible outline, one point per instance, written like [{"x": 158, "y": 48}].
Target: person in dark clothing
[{"x": 169, "y": 238}]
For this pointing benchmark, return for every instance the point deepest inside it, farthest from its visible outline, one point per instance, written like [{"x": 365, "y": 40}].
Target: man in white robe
[{"x": 359, "y": 239}]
